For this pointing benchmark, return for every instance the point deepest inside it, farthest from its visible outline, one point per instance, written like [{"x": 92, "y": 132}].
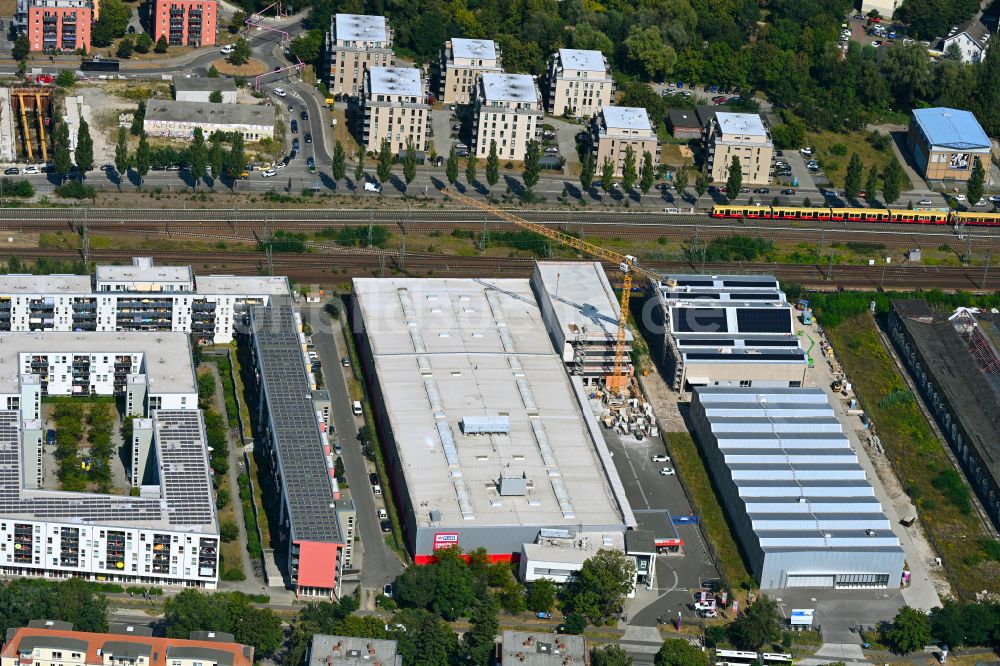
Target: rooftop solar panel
[
  {"x": 706, "y": 342},
  {"x": 764, "y": 320},
  {"x": 751, "y": 283},
  {"x": 708, "y": 356},
  {"x": 700, "y": 320}
]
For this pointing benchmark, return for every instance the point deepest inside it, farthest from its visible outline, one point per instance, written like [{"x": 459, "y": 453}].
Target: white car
[
  {"x": 31, "y": 171},
  {"x": 383, "y": 514},
  {"x": 806, "y": 151},
  {"x": 981, "y": 202},
  {"x": 957, "y": 197},
  {"x": 659, "y": 457},
  {"x": 372, "y": 187},
  {"x": 925, "y": 202},
  {"x": 227, "y": 49},
  {"x": 269, "y": 173},
  {"x": 667, "y": 471},
  {"x": 280, "y": 92},
  {"x": 995, "y": 198}
]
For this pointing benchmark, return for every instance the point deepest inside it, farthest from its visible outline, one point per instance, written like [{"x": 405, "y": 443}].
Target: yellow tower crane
[{"x": 618, "y": 380}]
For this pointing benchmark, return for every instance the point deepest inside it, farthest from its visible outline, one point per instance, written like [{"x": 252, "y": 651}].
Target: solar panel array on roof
[
  {"x": 700, "y": 320},
  {"x": 709, "y": 342},
  {"x": 762, "y": 283},
  {"x": 298, "y": 445},
  {"x": 693, "y": 282},
  {"x": 720, "y": 356},
  {"x": 184, "y": 471},
  {"x": 764, "y": 320}
]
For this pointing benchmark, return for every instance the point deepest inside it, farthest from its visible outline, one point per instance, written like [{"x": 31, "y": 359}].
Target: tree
[
  {"x": 493, "y": 165},
  {"x": 232, "y": 612},
  {"x": 338, "y": 468},
  {"x": 598, "y": 590},
  {"x": 480, "y": 640},
  {"x": 647, "y": 172},
  {"x": 679, "y": 652},
  {"x": 61, "y": 160},
  {"x": 761, "y": 623},
  {"x": 647, "y": 47},
  {"x": 410, "y": 163},
  {"x": 891, "y": 181},
  {"x": 611, "y": 654},
  {"x": 241, "y": 53},
  {"x": 359, "y": 170},
  {"x": 143, "y": 43},
  {"x": 735, "y": 179},
  {"x": 871, "y": 183},
  {"x": 470, "y": 169},
  {"x": 974, "y": 188},
  {"x": 236, "y": 22},
  {"x": 451, "y": 166},
  {"x": 124, "y": 50},
  {"x": 681, "y": 180},
  {"x": 909, "y": 631},
  {"x": 541, "y": 595},
  {"x": 22, "y": 47},
  {"x": 237, "y": 156},
  {"x": 700, "y": 184},
  {"x": 161, "y": 45},
  {"x": 607, "y": 175},
  {"x": 198, "y": 154},
  {"x": 384, "y": 166},
  {"x": 339, "y": 167},
  {"x": 852, "y": 180},
  {"x": 532, "y": 167},
  {"x": 575, "y": 624},
  {"x": 628, "y": 170},
  {"x": 138, "y": 119},
  {"x": 65, "y": 78},
  {"x": 229, "y": 531},
  {"x": 112, "y": 24},
  {"x": 121, "y": 155},
  {"x": 141, "y": 159},
  {"x": 84, "y": 153},
  {"x": 427, "y": 641},
  {"x": 586, "y": 172},
  {"x": 215, "y": 97}
]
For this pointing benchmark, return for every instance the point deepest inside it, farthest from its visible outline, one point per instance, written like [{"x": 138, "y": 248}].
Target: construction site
[{"x": 26, "y": 120}]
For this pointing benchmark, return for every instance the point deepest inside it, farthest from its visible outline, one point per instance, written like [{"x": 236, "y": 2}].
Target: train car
[
  {"x": 824, "y": 214},
  {"x": 976, "y": 218},
  {"x": 919, "y": 217}
]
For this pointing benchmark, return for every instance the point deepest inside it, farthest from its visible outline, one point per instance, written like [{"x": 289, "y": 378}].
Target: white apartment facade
[
  {"x": 141, "y": 297},
  {"x": 616, "y": 128},
  {"x": 579, "y": 83},
  {"x": 741, "y": 135},
  {"x": 354, "y": 44},
  {"x": 395, "y": 108},
  {"x": 508, "y": 110},
  {"x": 462, "y": 61}
]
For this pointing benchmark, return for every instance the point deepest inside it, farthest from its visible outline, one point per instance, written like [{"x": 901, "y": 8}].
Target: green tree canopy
[
  {"x": 647, "y": 173},
  {"x": 598, "y": 590},
  {"x": 761, "y": 623},
  {"x": 409, "y": 162},
  {"x": 679, "y": 652},
  {"x": 532, "y": 167},
  {"x": 84, "y": 152},
  {"x": 339, "y": 167},
  {"x": 855, "y": 172},
  {"x": 891, "y": 179},
  {"x": 241, "y": 52},
  {"x": 61, "y": 160},
  {"x": 427, "y": 641},
  {"x": 628, "y": 170},
  {"x": 192, "y": 610},
  {"x": 492, "y": 165},
  {"x": 646, "y": 47},
  {"x": 975, "y": 187},
  {"x": 735, "y": 179},
  {"x": 541, "y": 595},
  {"x": 909, "y": 631},
  {"x": 385, "y": 159},
  {"x": 611, "y": 654},
  {"x": 586, "y": 172}
]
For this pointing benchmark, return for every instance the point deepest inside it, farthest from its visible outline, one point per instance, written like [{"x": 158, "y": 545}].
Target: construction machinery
[{"x": 618, "y": 381}]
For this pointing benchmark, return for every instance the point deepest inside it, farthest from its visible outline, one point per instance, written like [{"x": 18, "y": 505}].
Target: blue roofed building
[{"x": 946, "y": 142}]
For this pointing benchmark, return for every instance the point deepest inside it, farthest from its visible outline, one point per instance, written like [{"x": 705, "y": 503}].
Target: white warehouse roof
[{"x": 360, "y": 28}]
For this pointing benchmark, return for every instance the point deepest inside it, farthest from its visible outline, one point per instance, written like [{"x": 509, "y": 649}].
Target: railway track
[{"x": 346, "y": 263}]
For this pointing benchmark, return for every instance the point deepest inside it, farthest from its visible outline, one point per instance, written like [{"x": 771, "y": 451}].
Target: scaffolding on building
[{"x": 980, "y": 347}]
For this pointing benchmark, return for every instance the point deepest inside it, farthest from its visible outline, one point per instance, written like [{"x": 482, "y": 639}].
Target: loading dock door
[{"x": 810, "y": 580}]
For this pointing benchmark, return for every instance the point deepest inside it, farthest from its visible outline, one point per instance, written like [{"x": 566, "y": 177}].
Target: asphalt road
[{"x": 379, "y": 564}]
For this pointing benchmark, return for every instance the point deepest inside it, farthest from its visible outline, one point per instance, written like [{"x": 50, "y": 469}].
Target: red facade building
[
  {"x": 60, "y": 25},
  {"x": 185, "y": 22}
]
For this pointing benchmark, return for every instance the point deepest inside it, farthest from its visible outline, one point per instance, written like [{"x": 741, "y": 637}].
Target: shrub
[
  {"x": 233, "y": 575},
  {"x": 74, "y": 189},
  {"x": 838, "y": 149},
  {"x": 949, "y": 483},
  {"x": 17, "y": 188}
]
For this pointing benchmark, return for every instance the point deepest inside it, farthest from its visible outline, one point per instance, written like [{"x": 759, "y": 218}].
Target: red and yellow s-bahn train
[{"x": 875, "y": 215}]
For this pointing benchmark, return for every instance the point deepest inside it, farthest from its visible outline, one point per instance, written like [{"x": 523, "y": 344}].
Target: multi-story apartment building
[
  {"x": 579, "y": 83},
  {"x": 185, "y": 22},
  {"x": 395, "y": 108},
  {"x": 508, "y": 110},
  {"x": 616, "y": 128},
  {"x": 140, "y": 297},
  {"x": 47, "y": 643},
  {"x": 356, "y": 43},
  {"x": 462, "y": 61},
  {"x": 741, "y": 135},
  {"x": 58, "y": 25}
]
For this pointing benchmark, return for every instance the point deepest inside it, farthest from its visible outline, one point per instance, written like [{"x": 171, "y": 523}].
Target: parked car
[
  {"x": 387, "y": 590},
  {"x": 667, "y": 471},
  {"x": 372, "y": 187},
  {"x": 295, "y": 144},
  {"x": 382, "y": 514},
  {"x": 11, "y": 171},
  {"x": 356, "y": 405},
  {"x": 269, "y": 173},
  {"x": 31, "y": 170},
  {"x": 928, "y": 202},
  {"x": 762, "y": 190},
  {"x": 806, "y": 151},
  {"x": 295, "y": 126},
  {"x": 373, "y": 478},
  {"x": 386, "y": 527},
  {"x": 304, "y": 115},
  {"x": 981, "y": 202},
  {"x": 346, "y": 362},
  {"x": 660, "y": 457},
  {"x": 958, "y": 197},
  {"x": 552, "y": 150},
  {"x": 789, "y": 192},
  {"x": 280, "y": 92}
]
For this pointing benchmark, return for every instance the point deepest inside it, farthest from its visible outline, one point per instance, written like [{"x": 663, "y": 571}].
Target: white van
[
  {"x": 372, "y": 187},
  {"x": 356, "y": 408}
]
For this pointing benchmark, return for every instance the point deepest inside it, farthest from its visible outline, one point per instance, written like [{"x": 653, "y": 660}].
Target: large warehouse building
[
  {"x": 724, "y": 330},
  {"x": 489, "y": 442},
  {"x": 955, "y": 362},
  {"x": 801, "y": 505}
]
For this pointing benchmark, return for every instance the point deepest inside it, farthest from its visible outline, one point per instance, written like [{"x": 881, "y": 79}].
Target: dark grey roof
[
  {"x": 684, "y": 118},
  {"x": 911, "y": 307},
  {"x": 975, "y": 29},
  {"x": 204, "y": 84},
  {"x": 640, "y": 541},
  {"x": 215, "y": 636},
  {"x": 130, "y": 630},
  {"x": 221, "y": 657},
  {"x": 168, "y": 110},
  {"x": 51, "y": 624},
  {"x": 298, "y": 445},
  {"x": 127, "y": 650},
  {"x": 29, "y": 643}
]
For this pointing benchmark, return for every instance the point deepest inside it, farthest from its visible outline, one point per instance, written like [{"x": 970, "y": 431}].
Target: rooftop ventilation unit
[
  {"x": 486, "y": 425},
  {"x": 513, "y": 486}
]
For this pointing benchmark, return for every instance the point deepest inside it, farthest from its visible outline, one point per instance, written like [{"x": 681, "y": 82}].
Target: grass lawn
[
  {"x": 691, "y": 467},
  {"x": 917, "y": 455},
  {"x": 835, "y": 166}
]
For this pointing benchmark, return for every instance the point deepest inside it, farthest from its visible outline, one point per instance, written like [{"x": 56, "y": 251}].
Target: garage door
[{"x": 811, "y": 580}]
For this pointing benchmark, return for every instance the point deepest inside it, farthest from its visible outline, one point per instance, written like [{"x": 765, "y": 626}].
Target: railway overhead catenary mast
[{"x": 618, "y": 380}]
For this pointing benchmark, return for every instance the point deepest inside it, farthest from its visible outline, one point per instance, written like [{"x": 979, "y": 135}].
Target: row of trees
[
  {"x": 231, "y": 612},
  {"x": 954, "y": 623},
  {"x": 199, "y": 157}
]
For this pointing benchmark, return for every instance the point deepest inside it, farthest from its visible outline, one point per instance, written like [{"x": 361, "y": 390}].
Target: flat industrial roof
[
  {"x": 448, "y": 350},
  {"x": 325, "y": 650},
  {"x": 239, "y": 285},
  {"x": 132, "y": 273},
  {"x": 509, "y": 87},
  {"x": 168, "y": 110},
  {"x": 395, "y": 81},
  {"x": 582, "y": 299},
  {"x": 807, "y": 477},
  {"x": 298, "y": 443},
  {"x": 360, "y": 28},
  {"x": 626, "y": 118},
  {"x": 16, "y": 283},
  {"x": 951, "y": 128},
  {"x": 583, "y": 60},
  {"x": 485, "y": 49},
  {"x": 543, "y": 649},
  {"x": 204, "y": 84},
  {"x": 741, "y": 123},
  {"x": 167, "y": 355}
]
